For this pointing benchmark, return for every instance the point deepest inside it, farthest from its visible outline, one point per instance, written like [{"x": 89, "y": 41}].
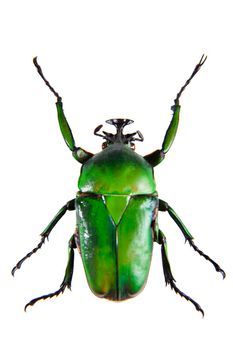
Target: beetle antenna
[
  {"x": 106, "y": 135},
  {"x": 39, "y": 70},
  {"x": 196, "y": 69}
]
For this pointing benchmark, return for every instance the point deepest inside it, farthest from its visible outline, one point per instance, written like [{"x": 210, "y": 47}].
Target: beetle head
[{"x": 119, "y": 137}]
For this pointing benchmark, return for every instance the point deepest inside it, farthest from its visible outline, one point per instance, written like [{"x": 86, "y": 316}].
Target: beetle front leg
[
  {"x": 78, "y": 153},
  {"x": 45, "y": 234},
  {"x": 66, "y": 283},
  {"x": 164, "y": 206},
  {"x": 157, "y": 156},
  {"x": 169, "y": 279}
]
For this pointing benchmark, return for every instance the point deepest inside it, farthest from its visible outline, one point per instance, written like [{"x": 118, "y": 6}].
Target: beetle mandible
[{"x": 117, "y": 209}]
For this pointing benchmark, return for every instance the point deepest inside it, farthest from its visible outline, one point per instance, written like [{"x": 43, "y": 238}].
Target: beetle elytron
[{"x": 117, "y": 211}]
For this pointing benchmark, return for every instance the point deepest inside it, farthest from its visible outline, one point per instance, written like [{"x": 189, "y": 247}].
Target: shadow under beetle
[{"x": 117, "y": 211}]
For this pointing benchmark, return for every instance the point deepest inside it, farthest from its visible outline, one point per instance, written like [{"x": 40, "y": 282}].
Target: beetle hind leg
[
  {"x": 66, "y": 283},
  {"x": 164, "y": 206},
  {"x": 169, "y": 279}
]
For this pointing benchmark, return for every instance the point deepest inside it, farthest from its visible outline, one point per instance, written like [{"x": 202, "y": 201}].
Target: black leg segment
[
  {"x": 45, "y": 234},
  {"x": 164, "y": 206},
  {"x": 78, "y": 153},
  {"x": 66, "y": 283},
  {"x": 157, "y": 156},
  {"x": 169, "y": 279}
]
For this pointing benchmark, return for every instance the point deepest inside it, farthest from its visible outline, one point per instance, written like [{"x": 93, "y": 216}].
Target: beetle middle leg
[
  {"x": 45, "y": 234},
  {"x": 66, "y": 283},
  {"x": 169, "y": 279},
  {"x": 164, "y": 206}
]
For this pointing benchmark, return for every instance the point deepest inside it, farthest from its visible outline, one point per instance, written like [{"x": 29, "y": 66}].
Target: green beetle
[{"x": 117, "y": 211}]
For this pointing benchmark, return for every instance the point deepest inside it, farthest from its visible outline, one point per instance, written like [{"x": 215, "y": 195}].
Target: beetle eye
[
  {"x": 104, "y": 145},
  {"x": 132, "y": 146}
]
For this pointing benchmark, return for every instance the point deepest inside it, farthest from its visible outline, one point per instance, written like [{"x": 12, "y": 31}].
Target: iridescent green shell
[
  {"x": 117, "y": 170},
  {"x": 115, "y": 209},
  {"x": 116, "y": 254}
]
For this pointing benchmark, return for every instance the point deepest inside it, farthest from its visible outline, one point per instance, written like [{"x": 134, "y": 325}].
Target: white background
[{"x": 115, "y": 59}]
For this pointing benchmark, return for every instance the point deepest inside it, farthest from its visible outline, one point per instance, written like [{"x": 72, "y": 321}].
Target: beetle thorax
[{"x": 117, "y": 170}]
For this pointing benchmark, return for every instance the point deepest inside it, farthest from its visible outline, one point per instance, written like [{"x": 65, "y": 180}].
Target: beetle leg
[
  {"x": 157, "y": 156},
  {"x": 66, "y": 283},
  {"x": 164, "y": 206},
  {"x": 169, "y": 279},
  {"x": 78, "y": 153},
  {"x": 45, "y": 234}
]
